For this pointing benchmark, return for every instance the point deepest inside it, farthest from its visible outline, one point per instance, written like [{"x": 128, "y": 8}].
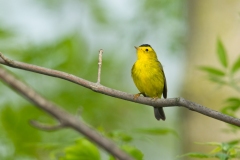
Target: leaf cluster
[
  {"x": 221, "y": 151},
  {"x": 227, "y": 75},
  {"x": 83, "y": 149}
]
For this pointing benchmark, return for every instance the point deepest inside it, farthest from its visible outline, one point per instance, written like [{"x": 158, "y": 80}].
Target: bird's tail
[{"x": 159, "y": 113}]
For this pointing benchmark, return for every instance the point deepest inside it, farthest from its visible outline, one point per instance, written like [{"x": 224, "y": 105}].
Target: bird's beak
[{"x": 136, "y": 47}]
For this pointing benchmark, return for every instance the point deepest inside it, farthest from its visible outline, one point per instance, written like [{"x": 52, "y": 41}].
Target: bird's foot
[
  {"x": 154, "y": 98},
  {"x": 136, "y": 96}
]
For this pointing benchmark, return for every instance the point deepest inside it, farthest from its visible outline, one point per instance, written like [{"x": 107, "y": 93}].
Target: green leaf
[
  {"x": 210, "y": 143},
  {"x": 233, "y": 152},
  {"x": 222, "y": 156},
  {"x": 197, "y": 155},
  {"x": 233, "y": 100},
  {"x": 217, "y": 79},
  {"x": 230, "y": 110},
  {"x": 226, "y": 147},
  {"x": 133, "y": 151},
  {"x": 156, "y": 131},
  {"x": 82, "y": 150},
  {"x": 221, "y": 52},
  {"x": 233, "y": 104},
  {"x": 212, "y": 70},
  {"x": 234, "y": 142},
  {"x": 120, "y": 135},
  {"x": 236, "y": 65},
  {"x": 216, "y": 150}
]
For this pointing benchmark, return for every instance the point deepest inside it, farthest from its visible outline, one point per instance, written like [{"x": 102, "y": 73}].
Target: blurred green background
[{"x": 67, "y": 35}]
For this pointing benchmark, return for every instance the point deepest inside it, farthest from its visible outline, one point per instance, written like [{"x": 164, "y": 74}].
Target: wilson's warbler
[{"x": 148, "y": 76}]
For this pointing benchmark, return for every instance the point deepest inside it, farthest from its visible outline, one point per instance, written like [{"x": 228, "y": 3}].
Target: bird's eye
[{"x": 146, "y": 49}]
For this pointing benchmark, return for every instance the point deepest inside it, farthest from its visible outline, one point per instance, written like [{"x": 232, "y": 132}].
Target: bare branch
[
  {"x": 61, "y": 115},
  {"x": 46, "y": 127},
  {"x": 99, "y": 65},
  {"x": 122, "y": 95}
]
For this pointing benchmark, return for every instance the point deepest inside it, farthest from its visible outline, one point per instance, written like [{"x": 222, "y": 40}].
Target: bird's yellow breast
[{"x": 148, "y": 76}]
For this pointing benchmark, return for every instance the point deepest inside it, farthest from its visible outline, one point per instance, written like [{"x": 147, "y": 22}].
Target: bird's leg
[{"x": 136, "y": 96}]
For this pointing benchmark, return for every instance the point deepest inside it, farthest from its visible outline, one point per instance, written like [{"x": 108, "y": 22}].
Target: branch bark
[{"x": 181, "y": 102}]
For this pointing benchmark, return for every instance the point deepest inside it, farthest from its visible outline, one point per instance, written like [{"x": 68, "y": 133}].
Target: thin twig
[
  {"x": 61, "y": 115},
  {"x": 99, "y": 65},
  {"x": 8, "y": 62},
  {"x": 181, "y": 102}
]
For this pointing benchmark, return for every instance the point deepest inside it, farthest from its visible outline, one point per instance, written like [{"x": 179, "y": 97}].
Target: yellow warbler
[{"x": 148, "y": 76}]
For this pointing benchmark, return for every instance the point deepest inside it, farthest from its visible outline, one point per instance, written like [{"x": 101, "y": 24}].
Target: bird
[{"x": 148, "y": 76}]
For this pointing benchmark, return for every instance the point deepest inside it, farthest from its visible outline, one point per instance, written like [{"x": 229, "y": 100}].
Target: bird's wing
[
  {"x": 165, "y": 86},
  {"x": 165, "y": 82}
]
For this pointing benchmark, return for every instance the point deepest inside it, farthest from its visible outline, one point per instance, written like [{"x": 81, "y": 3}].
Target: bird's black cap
[{"x": 145, "y": 45}]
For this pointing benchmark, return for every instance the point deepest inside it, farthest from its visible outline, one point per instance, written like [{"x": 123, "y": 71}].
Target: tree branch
[
  {"x": 122, "y": 95},
  {"x": 65, "y": 119}
]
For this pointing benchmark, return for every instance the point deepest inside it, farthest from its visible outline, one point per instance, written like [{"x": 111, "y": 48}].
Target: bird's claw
[
  {"x": 154, "y": 98},
  {"x": 136, "y": 96}
]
